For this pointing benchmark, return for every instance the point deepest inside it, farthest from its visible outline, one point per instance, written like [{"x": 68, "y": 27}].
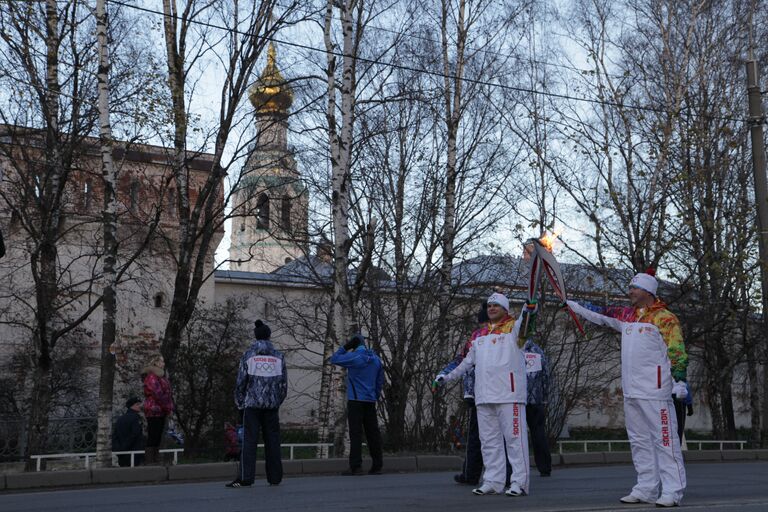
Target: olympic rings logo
[{"x": 265, "y": 367}]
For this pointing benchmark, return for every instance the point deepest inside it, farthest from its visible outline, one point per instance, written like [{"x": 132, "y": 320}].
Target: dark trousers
[
  {"x": 362, "y": 415},
  {"x": 473, "y": 461},
  {"x": 125, "y": 460},
  {"x": 680, "y": 413},
  {"x": 536, "y": 416},
  {"x": 155, "y": 426},
  {"x": 268, "y": 421}
]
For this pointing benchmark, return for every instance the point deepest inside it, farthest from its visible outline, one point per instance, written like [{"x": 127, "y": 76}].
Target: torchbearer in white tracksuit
[
  {"x": 652, "y": 357},
  {"x": 500, "y": 397}
]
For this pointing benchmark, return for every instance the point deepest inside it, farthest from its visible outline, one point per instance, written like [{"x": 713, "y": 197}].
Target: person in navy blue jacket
[
  {"x": 365, "y": 378},
  {"x": 262, "y": 384}
]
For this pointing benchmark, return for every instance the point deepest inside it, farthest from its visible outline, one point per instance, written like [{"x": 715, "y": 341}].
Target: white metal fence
[{"x": 612, "y": 443}]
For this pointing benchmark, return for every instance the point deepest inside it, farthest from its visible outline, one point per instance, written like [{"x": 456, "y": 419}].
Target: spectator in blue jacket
[
  {"x": 365, "y": 378},
  {"x": 262, "y": 384}
]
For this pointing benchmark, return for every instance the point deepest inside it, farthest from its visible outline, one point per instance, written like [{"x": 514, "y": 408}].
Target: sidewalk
[{"x": 227, "y": 470}]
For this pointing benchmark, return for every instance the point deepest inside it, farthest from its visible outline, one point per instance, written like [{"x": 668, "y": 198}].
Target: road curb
[{"x": 226, "y": 470}]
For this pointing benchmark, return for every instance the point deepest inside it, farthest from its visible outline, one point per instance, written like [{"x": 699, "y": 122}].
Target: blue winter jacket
[
  {"x": 262, "y": 380},
  {"x": 365, "y": 375}
]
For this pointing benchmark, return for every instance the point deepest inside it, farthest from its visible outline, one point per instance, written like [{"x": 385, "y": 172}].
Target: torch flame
[{"x": 548, "y": 240}]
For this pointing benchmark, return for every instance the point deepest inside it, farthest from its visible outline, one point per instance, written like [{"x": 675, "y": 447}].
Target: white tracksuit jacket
[
  {"x": 499, "y": 364},
  {"x": 645, "y": 366}
]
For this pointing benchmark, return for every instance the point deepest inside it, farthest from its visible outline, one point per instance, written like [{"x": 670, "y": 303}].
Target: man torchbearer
[
  {"x": 500, "y": 396},
  {"x": 653, "y": 368}
]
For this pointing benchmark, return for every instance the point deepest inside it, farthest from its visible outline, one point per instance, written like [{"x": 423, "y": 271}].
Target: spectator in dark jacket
[
  {"x": 158, "y": 405},
  {"x": 365, "y": 378},
  {"x": 128, "y": 435},
  {"x": 537, "y": 373},
  {"x": 262, "y": 384}
]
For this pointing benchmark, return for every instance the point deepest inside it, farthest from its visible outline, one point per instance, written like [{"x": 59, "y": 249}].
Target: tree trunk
[
  {"x": 44, "y": 262},
  {"x": 37, "y": 433},
  {"x": 109, "y": 224},
  {"x": 452, "y": 99},
  {"x": 332, "y": 404}
]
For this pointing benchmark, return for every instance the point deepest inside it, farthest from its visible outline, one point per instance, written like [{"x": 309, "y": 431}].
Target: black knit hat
[
  {"x": 261, "y": 330},
  {"x": 131, "y": 401}
]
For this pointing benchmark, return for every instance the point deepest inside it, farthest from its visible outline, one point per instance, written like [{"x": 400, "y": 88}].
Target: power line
[{"x": 403, "y": 67}]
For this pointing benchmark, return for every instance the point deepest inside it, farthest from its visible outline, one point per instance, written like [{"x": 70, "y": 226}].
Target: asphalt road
[{"x": 728, "y": 487}]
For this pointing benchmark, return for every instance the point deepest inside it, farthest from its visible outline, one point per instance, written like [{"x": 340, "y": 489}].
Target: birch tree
[{"x": 190, "y": 40}]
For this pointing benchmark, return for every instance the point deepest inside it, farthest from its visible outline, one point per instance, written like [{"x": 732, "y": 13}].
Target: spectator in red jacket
[{"x": 158, "y": 405}]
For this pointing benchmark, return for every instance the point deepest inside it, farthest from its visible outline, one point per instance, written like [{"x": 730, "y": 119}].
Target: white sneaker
[
  {"x": 514, "y": 491},
  {"x": 667, "y": 501},
  {"x": 632, "y": 499},
  {"x": 484, "y": 489}
]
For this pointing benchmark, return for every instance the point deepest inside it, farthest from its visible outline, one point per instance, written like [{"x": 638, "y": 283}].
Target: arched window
[
  {"x": 285, "y": 214},
  {"x": 262, "y": 212},
  {"x": 159, "y": 300}
]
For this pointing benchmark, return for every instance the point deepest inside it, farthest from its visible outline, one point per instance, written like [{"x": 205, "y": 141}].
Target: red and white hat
[{"x": 645, "y": 281}]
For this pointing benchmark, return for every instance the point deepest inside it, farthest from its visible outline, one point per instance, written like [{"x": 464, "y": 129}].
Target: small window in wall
[
  {"x": 285, "y": 214},
  {"x": 159, "y": 300},
  {"x": 87, "y": 195},
  {"x": 134, "y": 192},
  {"x": 262, "y": 212},
  {"x": 172, "y": 202}
]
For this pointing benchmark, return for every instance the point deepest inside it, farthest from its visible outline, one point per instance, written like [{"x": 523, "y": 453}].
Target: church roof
[{"x": 271, "y": 92}]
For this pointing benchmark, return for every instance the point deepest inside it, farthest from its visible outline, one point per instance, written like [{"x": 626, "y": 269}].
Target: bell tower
[{"x": 269, "y": 225}]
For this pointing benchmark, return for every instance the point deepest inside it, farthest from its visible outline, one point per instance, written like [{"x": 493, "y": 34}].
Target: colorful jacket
[
  {"x": 652, "y": 349},
  {"x": 538, "y": 379},
  {"x": 158, "y": 397},
  {"x": 667, "y": 323},
  {"x": 365, "y": 374},
  {"x": 262, "y": 377},
  {"x": 502, "y": 327}
]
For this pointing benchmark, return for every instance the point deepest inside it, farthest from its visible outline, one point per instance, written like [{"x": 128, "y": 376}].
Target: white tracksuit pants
[
  {"x": 498, "y": 423},
  {"x": 652, "y": 431}
]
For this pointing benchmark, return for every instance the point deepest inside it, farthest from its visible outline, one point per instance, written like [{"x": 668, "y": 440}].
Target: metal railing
[
  {"x": 585, "y": 444},
  {"x": 717, "y": 442},
  {"x": 611, "y": 442},
  {"x": 291, "y": 447},
  {"x": 88, "y": 456}
]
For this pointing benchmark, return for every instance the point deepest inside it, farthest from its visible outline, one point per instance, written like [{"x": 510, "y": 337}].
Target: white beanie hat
[
  {"x": 500, "y": 299},
  {"x": 645, "y": 281}
]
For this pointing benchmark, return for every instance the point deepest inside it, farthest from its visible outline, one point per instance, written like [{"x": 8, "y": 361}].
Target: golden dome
[{"x": 271, "y": 93}]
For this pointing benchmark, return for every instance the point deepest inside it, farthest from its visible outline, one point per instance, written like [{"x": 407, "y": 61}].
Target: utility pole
[{"x": 756, "y": 121}]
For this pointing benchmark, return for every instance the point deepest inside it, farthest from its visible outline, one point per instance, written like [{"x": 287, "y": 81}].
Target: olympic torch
[{"x": 539, "y": 252}]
